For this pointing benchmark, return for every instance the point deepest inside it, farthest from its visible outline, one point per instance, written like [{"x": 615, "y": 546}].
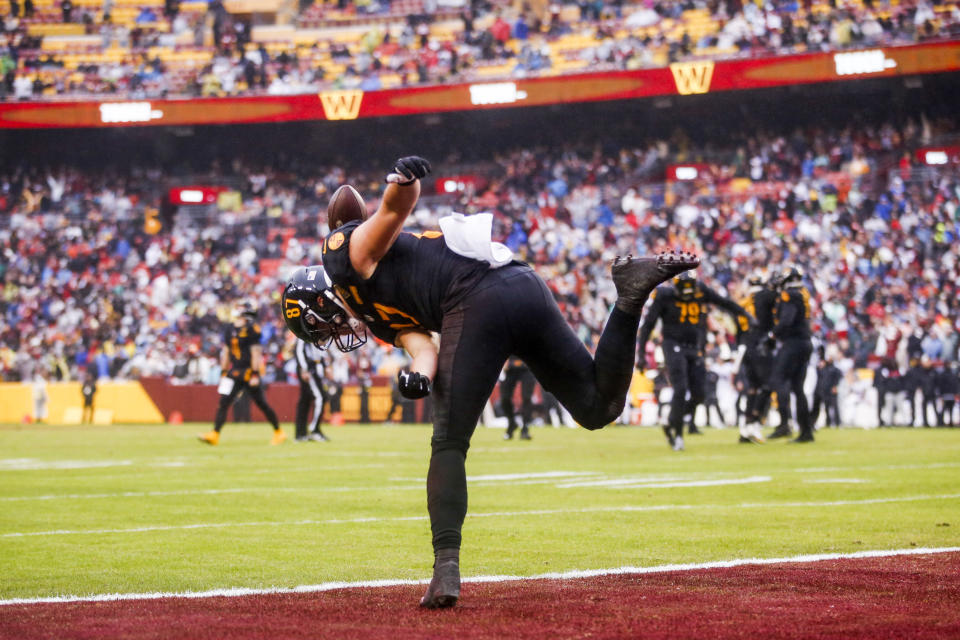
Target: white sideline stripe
[
  {"x": 564, "y": 575},
  {"x": 494, "y": 514}
]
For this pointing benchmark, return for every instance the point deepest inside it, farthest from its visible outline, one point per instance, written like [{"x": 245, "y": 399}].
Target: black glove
[
  {"x": 408, "y": 170},
  {"x": 413, "y": 385}
]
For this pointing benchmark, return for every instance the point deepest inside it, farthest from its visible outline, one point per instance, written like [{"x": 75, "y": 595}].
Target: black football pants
[
  {"x": 312, "y": 393},
  {"x": 687, "y": 373},
  {"x": 511, "y": 311},
  {"x": 254, "y": 393},
  {"x": 756, "y": 364},
  {"x": 789, "y": 374}
]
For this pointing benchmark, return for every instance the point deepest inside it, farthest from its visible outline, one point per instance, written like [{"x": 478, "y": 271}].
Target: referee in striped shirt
[{"x": 311, "y": 362}]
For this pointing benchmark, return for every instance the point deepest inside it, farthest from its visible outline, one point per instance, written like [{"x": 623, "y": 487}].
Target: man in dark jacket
[{"x": 825, "y": 393}]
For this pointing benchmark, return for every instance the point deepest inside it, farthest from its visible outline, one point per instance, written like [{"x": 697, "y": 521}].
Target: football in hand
[{"x": 346, "y": 205}]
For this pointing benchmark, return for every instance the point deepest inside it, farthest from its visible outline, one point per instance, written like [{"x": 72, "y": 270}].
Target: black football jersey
[
  {"x": 684, "y": 321},
  {"x": 792, "y": 317},
  {"x": 761, "y": 305},
  {"x": 416, "y": 282},
  {"x": 239, "y": 341}
]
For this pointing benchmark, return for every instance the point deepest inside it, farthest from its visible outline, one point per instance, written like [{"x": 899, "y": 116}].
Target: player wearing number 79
[
  {"x": 485, "y": 306},
  {"x": 683, "y": 308}
]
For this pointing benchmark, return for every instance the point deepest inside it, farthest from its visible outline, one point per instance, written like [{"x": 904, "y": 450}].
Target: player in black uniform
[
  {"x": 792, "y": 330},
  {"x": 683, "y": 309},
  {"x": 241, "y": 360},
  {"x": 514, "y": 373},
  {"x": 311, "y": 364},
  {"x": 404, "y": 285},
  {"x": 757, "y": 356}
]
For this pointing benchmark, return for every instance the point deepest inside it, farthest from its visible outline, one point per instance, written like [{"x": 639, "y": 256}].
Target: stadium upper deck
[{"x": 153, "y": 49}]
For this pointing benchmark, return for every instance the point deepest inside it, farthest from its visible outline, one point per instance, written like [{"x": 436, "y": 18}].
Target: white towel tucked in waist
[{"x": 471, "y": 237}]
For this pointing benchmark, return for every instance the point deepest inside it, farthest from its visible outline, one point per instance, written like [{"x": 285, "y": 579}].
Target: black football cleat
[
  {"x": 635, "y": 278},
  {"x": 444, "y": 589},
  {"x": 780, "y": 433}
]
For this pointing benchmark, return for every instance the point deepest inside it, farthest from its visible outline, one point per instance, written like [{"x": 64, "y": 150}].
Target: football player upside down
[{"x": 485, "y": 306}]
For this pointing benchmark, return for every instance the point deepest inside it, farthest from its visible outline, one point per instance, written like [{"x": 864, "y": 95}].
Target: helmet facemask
[
  {"x": 686, "y": 286},
  {"x": 314, "y": 314}
]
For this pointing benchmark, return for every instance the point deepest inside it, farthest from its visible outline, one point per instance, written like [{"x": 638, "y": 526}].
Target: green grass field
[{"x": 94, "y": 510}]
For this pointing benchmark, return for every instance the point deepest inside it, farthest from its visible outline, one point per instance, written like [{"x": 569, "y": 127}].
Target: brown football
[{"x": 346, "y": 205}]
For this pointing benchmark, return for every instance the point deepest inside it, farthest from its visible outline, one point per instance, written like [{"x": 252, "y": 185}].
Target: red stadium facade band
[{"x": 485, "y": 306}]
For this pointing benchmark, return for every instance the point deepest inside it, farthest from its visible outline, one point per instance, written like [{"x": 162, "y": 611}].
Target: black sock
[
  {"x": 447, "y": 497},
  {"x": 616, "y": 355}
]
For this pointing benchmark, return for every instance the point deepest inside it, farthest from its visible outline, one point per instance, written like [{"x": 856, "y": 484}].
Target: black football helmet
[
  {"x": 756, "y": 282},
  {"x": 243, "y": 312},
  {"x": 791, "y": 276},
  {"x": 686, "y": 285},
  {"x": 314, "y": 313}
]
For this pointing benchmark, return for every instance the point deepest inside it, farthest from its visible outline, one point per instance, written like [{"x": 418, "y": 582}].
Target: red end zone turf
[{"x": 890, "y": 597}]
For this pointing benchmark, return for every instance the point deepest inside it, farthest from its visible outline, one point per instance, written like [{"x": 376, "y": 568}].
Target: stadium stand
[
  {"x": 168, "y": 48},
  {"x": 101, "y": 271}
]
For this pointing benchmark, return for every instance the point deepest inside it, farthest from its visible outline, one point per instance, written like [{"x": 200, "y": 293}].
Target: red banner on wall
[{"x": 686, "y": 78}]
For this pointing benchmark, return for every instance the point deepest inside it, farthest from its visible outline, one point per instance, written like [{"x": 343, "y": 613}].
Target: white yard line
[
  {"x": 202, "y": 492},
  {"x": 878, "y": 467},
  {"x": 566, "y": 575},
  {"x": 32, "y": 464},
  {"x": 499, "y": 514},
  {"x": 532, "y": 476},
  {"x": 631, "y": 483}
]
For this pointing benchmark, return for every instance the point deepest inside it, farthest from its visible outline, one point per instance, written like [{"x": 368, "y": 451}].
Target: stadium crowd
[
  {"x": 100, "y": 272},
  {"x": 199, "y": 48}
]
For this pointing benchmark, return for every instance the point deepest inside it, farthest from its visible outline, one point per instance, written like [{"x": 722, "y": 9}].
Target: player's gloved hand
[
  {"x": 413, "y": 385},
  {"x": 408, "y": 170}
]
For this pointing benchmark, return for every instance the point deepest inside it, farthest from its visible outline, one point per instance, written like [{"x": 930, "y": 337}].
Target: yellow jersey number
[
  {"x": 396, "y": 318},
  {"x": 689, "y": 312}
]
